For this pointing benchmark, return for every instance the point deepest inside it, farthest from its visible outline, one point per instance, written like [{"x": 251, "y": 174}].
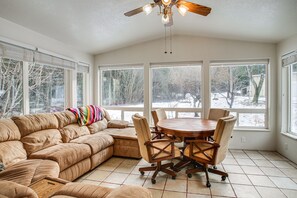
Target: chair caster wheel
[
  {"x": 173, "y": 177},
  {"x": 223, "y": 178},
  {"x": 215, "y": 167},
  {"x": 152, "y": 164},
  {"x": 208, "y": 184},
  {"x": 141, "y": 172},
  {"x": 189, "y": 175},
  {"x": 153, "y": 181}
]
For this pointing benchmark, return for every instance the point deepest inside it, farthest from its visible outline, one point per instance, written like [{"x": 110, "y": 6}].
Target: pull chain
[
  {"x": 170, "y": 41},
  {"x": 165, "y": 40}
]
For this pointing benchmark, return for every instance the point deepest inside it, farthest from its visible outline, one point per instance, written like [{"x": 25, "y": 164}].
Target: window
[
  {"x": 241, "y": 88},
  {"x": 46, "y": 88},
  {"x": 293, "y": 99},
  {"x": 80, "y": 89},
  {"x": 11, "y": 87},
  {"x": 177, "y": 89},
  {"x": 122, "y": 91}
]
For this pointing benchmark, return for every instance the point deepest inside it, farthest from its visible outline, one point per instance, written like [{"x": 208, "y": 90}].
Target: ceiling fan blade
[
  {"x": 137, "y": 10},
  {"x": 195, "y": 8}
]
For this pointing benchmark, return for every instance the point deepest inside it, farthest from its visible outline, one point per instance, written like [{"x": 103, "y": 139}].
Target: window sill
[
  {"x": 251, "y": 130},
  {"x": 294, "y": 137}
]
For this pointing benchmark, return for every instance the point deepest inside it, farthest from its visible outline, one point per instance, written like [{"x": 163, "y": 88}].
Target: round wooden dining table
[{"x": 188, "y": 127}]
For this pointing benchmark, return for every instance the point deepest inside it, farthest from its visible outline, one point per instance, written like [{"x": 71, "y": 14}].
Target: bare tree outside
[
  {"x": 46, "y": 88},
  {"x": 11, "y": 87},
  {"x": 122, "y": 87}
]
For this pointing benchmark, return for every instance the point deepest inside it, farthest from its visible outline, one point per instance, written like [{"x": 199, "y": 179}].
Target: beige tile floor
[{"x": 251, "y": 174}]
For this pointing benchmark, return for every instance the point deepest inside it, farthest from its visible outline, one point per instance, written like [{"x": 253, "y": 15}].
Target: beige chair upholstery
[
  {"x": 154, "y": 150},
  {"x": 216, "y": 114},
  {"x": 158, "y": 114},
  {"x": 211, "y": 152}
]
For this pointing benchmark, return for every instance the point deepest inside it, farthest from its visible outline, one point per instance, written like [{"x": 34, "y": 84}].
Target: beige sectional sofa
[{"x": 54, "y": 145}]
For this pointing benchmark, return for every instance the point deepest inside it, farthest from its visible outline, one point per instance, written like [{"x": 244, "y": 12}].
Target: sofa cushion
[
  {"x": 106, "y": 115},
  {"x": 97, "y": 141},
  {"x": 41, "y": 140},
  {"x": 31, "y": 123},
  {"x": 98, "y": 126},
  {"x": 8, "y": 130},
  {"x": 65, "y": 118},
  {"x": 83, "y": 190},
  {"x": 126, "y": 191},
  {"x": 73, "y": 131},
  {"x": 11, "y": 189},
  {"x": 126, "y": 133},
  {"x": 117, "y": 124},
  {"x": 66, "y": 154},
  {"x": 12, "y": 152},
  {"x": 27, "y": 171}
]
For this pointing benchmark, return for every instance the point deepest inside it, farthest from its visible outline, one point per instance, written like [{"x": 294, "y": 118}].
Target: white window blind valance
[
  {"x": 54, "y": 61},
  {"x": 239, "y": 62},
  {"x": 15, "y": 52},
  {"x": 83, "y": 67},
  {"x": 289, "y": 59}
]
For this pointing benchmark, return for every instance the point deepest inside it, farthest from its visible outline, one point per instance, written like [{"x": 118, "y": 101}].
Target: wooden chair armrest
[{"x": 214, "y": 144}]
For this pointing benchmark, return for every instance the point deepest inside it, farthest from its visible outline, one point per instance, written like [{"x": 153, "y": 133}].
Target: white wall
[
  {"x": 20, "y": 34},
  {"x": 284, "y": 47},
  {"x": 189, "y": 48}
]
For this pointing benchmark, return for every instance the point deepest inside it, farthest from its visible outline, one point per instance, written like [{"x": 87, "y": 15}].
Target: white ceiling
[{"x": 96, "y": 26}]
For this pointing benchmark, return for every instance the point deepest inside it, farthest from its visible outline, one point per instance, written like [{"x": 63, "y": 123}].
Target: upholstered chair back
[
  {"x": 158, "y": 114},
  {"x": 216, "y": 114},
  {"x": 222, "y": 136},
  {"x": 143, "y": 134}
]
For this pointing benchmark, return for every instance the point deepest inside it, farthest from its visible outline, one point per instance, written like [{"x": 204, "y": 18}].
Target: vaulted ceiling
[{"x": 97, "y": 26}]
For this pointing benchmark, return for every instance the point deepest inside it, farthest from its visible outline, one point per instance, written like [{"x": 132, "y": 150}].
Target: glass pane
[
  {"x": 238, "y": 86},
  {"x": 128, "y": 115},
  {"x": 11, "y": 87},
  {"x": 79, "y": 90},
  {"x": 189, "y": 115},
  {"x": 170, "y": 114},
  {"x": 122, "y": 87},
  {"x": 252, "y": 120},
  {"x": 115, "y": 114},
  {"x": 294, "y": 99},
  {"x": 46, "y": 88},
  {"x": 177, "y": 87}
]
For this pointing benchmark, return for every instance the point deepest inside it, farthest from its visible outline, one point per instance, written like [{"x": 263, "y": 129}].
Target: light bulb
[
  {"x": 147, "y": 9},
  {"x": 182, "y": 9},
  {"x": 165, "y": 19},
  {"x": 166, "y": 2}
]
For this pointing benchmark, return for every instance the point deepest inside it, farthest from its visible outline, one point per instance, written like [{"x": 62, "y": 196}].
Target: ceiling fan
[{"x": 165, "y": 7}]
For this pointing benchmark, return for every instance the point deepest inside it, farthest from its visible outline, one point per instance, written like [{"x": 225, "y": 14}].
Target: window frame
[
  {"x": 122, "y": 109},
  {"x": 289, "y": 100},
  {"x": 172, "y": 65},
  {"x": 264, "y": 111}
]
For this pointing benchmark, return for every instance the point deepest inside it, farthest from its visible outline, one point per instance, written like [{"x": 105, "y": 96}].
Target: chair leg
[
  {"x": 207, "y": 177},
  {"x": 218, "y": 172}
]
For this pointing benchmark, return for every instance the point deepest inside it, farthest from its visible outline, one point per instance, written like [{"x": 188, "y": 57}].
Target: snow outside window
[{"x": 241, "y": 88}]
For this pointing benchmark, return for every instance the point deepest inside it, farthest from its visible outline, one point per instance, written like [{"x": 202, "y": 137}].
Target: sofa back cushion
[
  {"x": 38, "y": 131},
  {"x": 98, "y": 126},
  {"x": 65, "y": 118},
  {"x": 11, "y": 148},
  {"x": 73, "y": 131},
  {"x": 41, "y": 140},
  {"x": 28, "y": 124}
]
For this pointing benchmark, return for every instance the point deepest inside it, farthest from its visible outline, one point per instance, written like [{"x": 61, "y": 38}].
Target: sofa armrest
[
  {"x": 117, "y": 124},
  {"x": 14, "y": 190}
]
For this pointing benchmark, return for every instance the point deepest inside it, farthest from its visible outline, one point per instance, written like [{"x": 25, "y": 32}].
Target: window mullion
[{"x": 26, "y": 97}]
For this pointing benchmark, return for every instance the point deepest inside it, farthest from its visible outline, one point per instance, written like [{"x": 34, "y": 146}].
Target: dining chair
[
  {"x": 206, "y": 152},
  {"x": 215, "y": 114},
  {"x": 158, "y": 114},
  {"x": 154, "y": 151}
]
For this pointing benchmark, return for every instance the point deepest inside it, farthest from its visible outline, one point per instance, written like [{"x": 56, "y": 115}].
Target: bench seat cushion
[
  {"x": 125, "y": 133},
  {"x": 97, "y": 142},
  {"x": 66, "y": 154},
  {"x": 27, "y": 171}
]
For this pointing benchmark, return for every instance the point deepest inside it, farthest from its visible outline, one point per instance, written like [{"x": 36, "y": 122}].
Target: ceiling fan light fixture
[
  {"x": 147, "y": 9},
  {"x": 166, "y": 2},
  {"x": 165, "y": 19},
  {"x": 182, "y": 9}
]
